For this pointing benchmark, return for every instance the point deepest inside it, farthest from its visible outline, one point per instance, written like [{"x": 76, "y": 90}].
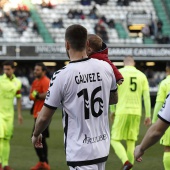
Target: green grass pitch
[{"x": 23, "y": 156}]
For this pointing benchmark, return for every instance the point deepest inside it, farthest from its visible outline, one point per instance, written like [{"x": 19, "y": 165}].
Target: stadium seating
[
  {"x": 109, "y": 10},
  {"x": 45, "y": 16}
]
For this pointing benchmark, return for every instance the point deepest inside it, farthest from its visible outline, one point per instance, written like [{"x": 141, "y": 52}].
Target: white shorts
[{"x": 99, "y": 166}]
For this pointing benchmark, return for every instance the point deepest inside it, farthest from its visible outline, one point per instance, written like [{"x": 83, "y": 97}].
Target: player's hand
[
  {"x": 37, "y": 141},
  {"x": 34, "y": 94},
  {"x": 120, "y": 81},
  {"x": 138, "y": 153},
  {"x": 147, "y": 121}
]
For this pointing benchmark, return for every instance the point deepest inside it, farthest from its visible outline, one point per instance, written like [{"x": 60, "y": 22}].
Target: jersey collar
[
  {"x": 84, "y": 59},
  {"x": 5, "y": 76}
]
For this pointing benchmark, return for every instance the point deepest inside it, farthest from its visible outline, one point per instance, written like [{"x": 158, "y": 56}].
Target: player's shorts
[
  {"x": 165, "y": 140},
  {"x": 99, "y": 166},
  {"x": 6, "y": 128},
  {"x": 45, "y": 133},
  {"x": 125, "y": 127}
]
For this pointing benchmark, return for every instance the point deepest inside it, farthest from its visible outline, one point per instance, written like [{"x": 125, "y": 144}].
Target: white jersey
[
  {"x": 164, "y": 113},
  {"x": 83, "y": 88}
]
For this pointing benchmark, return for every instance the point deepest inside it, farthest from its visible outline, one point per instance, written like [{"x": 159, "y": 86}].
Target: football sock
[
  {"x": 119, "y": 150},
  {"x": 5, "y": 152},
  {"x": 166, "y": 162},
  {"x": 130, "y": 150},
  {"x": 42, "y": 152},
  {"x": 1, "y": 144}
]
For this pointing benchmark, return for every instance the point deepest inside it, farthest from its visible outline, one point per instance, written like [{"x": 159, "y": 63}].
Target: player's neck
[{"x": 77, "y": 55}]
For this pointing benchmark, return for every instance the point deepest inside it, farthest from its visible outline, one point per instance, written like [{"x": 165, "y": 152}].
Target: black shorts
[{"x": 45, "y": 133}]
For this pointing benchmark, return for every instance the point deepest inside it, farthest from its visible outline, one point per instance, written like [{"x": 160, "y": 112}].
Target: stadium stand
[
  {"x": 110, "y": 10},
  {"x": 41, "y": 21},
  {"x": 16, "y": 23}
]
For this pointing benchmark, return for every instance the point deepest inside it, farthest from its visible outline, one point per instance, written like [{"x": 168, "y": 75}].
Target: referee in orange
[{"x": 38, "y": 93}]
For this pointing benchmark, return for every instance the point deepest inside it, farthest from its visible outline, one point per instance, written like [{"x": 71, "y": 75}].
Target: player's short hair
[
  {"x": 44, "y": 68},
  {"x": 9, "y": 63},
  {"x": 95, "y": 42},
  {"x": 76, "y": 35}
]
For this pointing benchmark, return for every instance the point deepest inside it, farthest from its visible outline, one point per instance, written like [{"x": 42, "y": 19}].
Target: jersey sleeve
[
  {"x": 164, "y": 113},
  {"x": 114, "y": 85},
  {"x": 161, "y": 93},
  {"x": 18, "y": 92},
  {"x": 146, "y": 97},
  {"x": 55, "y": 91},
  {"x": 145, "y": 83},
  {"x": 46, "y": 85}
]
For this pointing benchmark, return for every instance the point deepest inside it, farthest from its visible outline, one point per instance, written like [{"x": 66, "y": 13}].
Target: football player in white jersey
[
  {"x": 84, "y": 88},
  {"x": 156, "y": 131}
]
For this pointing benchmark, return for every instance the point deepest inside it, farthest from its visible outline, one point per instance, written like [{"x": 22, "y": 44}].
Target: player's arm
[
  {"x": 154, "y": 133},
  {"x": 157, "y": 108},
  {"x": 161, "y": 96},
  {"x": 19, "y": 107},
  {"x": 147, "y": 105},
  {"x": 43, "y": 120},
  {"x": 19, "y": 104},
  {"x": 113, "y": 97},
  {"x": 32, "y": 93},
  {"x": 41, "y": 96}
]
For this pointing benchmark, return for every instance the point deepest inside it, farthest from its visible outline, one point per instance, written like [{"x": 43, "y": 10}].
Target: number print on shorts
[{"x": 93, "y": 100}]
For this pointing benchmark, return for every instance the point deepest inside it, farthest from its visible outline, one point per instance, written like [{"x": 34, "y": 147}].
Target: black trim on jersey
[
  {"x": 66, "y": 130},
  {"x": 89, "y": 162},
  {"x": 163, "y": 119},
  {"x": 75, "y": 61},
  {"x": 50, "y": 107},
  {"x": 113, "y": 90}
]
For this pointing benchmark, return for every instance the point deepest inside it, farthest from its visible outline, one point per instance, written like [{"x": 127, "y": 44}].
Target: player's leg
[
  {"x": 165, "y": 140},
  {"x": 42, "y": 153},
  {"x": 166, "y": 158},
  {"x": 130, "y": 150},
  {"x": 1, "y": 142},
  {"x": 8, "y": 132},
  {"x": 1, "y": 146},
  {"x": 119, "y": 150},
  {"x": 5, "y": 152},
  {"x": 1, "y": 139},
  {"x": 119, "y": 132},
  {"x": 45, "y": 135},
  {"x": 133, "y": 131}
]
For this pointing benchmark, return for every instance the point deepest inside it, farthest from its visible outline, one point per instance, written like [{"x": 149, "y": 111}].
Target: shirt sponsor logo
[{"x": 90, "y": 140}]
